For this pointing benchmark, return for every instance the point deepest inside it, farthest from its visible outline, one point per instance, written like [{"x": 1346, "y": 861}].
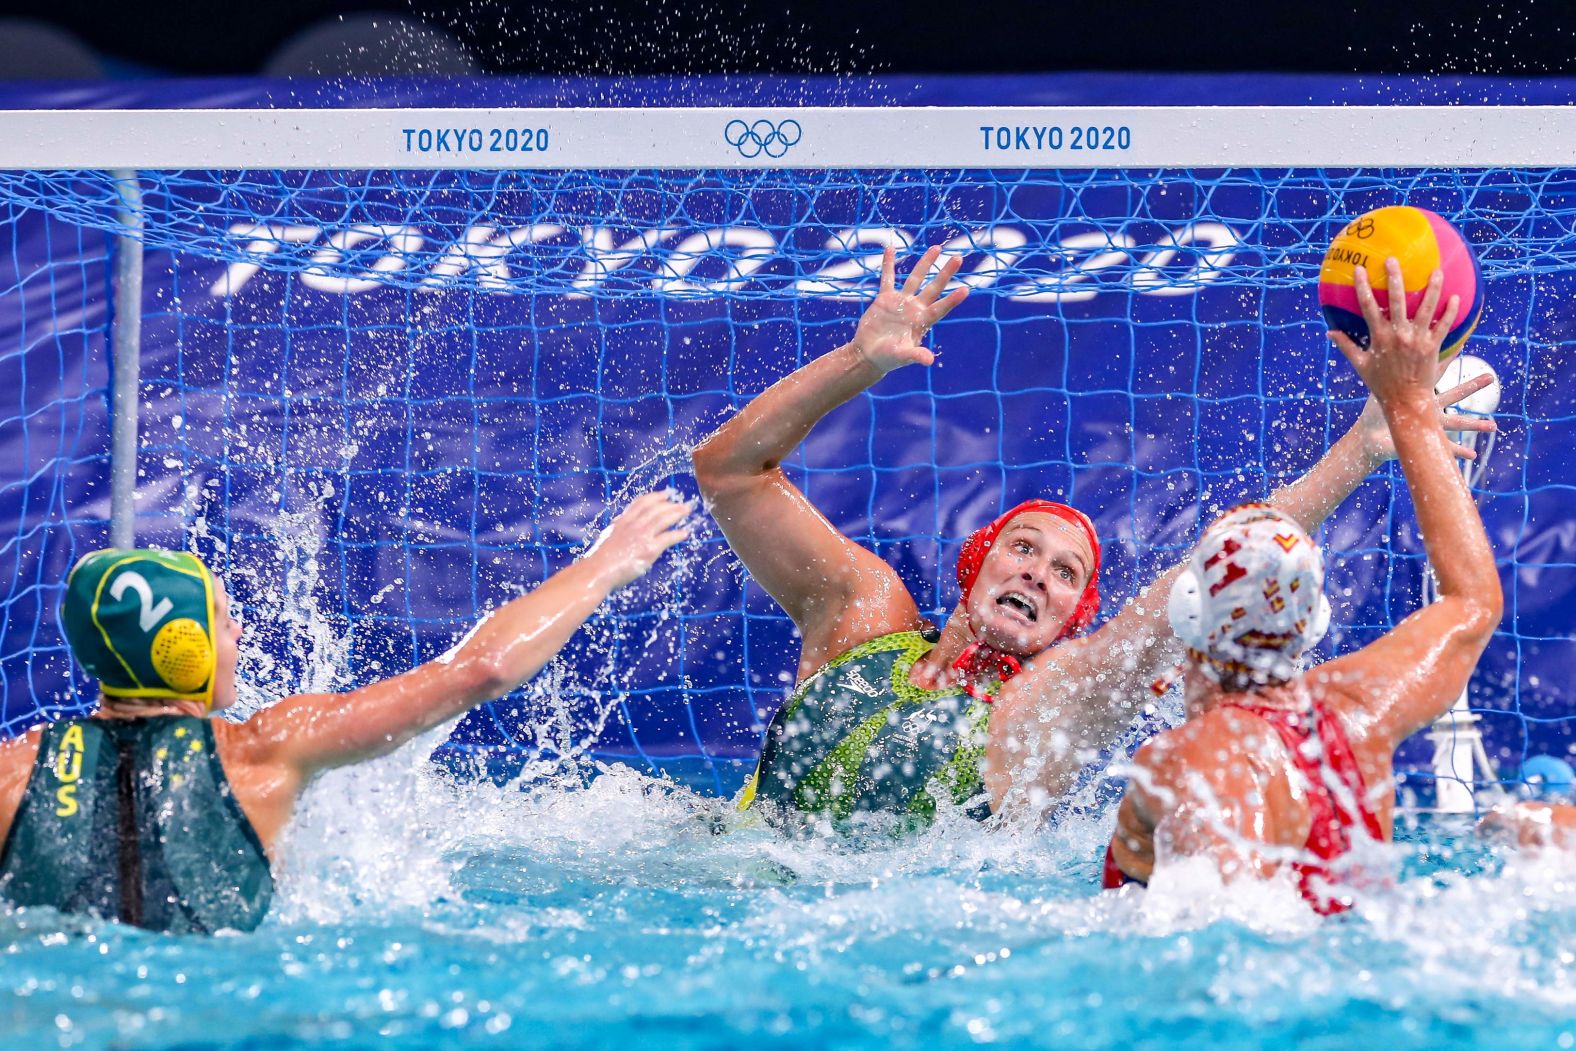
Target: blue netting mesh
[
  {"x": 54, "y": 443},
  {"x": 379, "y": 401}
]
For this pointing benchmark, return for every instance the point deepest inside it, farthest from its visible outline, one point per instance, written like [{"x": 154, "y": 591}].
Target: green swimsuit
[
  {"x": 858, "y": 737},
  {"x": 134, "y": 820}
]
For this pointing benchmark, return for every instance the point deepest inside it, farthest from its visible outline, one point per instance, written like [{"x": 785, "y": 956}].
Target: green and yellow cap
[{"x": 142, "y": 623}]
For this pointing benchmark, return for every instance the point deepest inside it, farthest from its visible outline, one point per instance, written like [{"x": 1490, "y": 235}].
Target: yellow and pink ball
[{"x": 1422, "y": 242}]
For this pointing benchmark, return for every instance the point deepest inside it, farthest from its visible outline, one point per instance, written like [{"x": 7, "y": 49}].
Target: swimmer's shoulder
[
  {"x": 1203, "y": 737},
  {"x": 1357, "y": 692},
  {"x": 264, "y": 739},
  {"x": 256, "y": 753},
  {"x": 1168, "y": 758},
  {"x": 237, "y": 742},
  {"x": 261, "y": 773},
  {"x": 1350, "y": 684},
  {"x": 1219, "y": 748},
  {"x": 819, "y": 649}
]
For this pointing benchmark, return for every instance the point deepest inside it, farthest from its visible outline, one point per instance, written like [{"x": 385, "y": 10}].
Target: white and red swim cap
[{"x": 1251, "y": 601}]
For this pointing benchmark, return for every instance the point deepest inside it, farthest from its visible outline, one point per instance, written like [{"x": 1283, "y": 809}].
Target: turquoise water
[{"x": 416, "y": 914}]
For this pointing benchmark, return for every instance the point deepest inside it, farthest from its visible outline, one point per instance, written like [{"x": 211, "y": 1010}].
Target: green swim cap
[{"x": 141, "y": 623}]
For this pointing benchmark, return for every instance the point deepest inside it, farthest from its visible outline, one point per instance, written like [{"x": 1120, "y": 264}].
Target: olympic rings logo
[{"x": 762, "y": 137}]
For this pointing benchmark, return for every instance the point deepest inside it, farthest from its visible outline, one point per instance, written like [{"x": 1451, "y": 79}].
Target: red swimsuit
[{"x": 1331, "y": 818}]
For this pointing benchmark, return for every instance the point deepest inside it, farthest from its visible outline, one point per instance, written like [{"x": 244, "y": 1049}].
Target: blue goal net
[{"x": 381, "y": 402}]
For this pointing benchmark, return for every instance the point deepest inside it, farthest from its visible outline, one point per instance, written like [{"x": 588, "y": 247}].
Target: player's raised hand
[
  {"x": 892, "y": 330},
  {"x": 1378, "y": 446},
  {"x": 638, "y": 536},
  {"x": 1402, "y": 359}
]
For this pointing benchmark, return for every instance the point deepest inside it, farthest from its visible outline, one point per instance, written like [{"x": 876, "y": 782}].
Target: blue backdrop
[{"x": 374, "y": 443}]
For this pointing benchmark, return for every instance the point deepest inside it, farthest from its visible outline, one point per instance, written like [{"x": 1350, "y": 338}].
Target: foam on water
[{"x": 427, "y": 913}]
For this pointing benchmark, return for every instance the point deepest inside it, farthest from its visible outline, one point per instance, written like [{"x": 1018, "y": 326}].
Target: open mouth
[{"x": 1013, "y": 600}]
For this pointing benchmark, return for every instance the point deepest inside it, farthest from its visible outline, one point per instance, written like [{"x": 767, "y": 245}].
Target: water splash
[{"x": 631, "y": 909}]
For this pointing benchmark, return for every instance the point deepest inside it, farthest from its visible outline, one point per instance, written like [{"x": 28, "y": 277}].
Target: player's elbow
[
  {"x": 1494, "y": 604},
  {"x": 709, "y": 466},
  {"x": 1478, "y": 615},
  {"x": 1485, "y": 611},
  {"x": 718, "y": 470},
  {"x": 481, "y": 677}
]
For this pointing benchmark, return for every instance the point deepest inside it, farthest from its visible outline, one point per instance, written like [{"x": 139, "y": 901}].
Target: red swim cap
[{"x": 979, "y": 544}]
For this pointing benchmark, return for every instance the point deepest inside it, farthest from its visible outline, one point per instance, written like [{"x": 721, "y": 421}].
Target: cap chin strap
[{"x": 979, "y": 659}]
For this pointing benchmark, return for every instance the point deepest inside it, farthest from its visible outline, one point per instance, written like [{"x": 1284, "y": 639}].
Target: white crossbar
[{"x": 821, "y": 137}]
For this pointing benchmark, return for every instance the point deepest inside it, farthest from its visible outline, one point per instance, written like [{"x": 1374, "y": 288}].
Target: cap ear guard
[
  {"x": 1185, "y": 609},
  {"x": 1319, "y": 623}
]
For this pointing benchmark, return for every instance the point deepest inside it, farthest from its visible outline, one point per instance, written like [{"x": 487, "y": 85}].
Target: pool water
[{"x": 417, "y": 913}]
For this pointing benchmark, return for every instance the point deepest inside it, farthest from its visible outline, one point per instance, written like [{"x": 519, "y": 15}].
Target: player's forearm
[
  {"x": 1452, "y": 530},
  {"x": 518, "y": 639},
  {"x": 504, "y": 650},
  {"x": 1315, "y": 496},
  {"x": 1137, "y": 645},
  {"x": 1109, "y": 674},
  {"x": 772, "y": 426},
  {"x": 312, "y": 732},
  {"x": 1077, "y": 698}
]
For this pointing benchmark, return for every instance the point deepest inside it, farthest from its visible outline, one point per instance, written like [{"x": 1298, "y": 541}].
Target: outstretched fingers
[
  {"x": 947, "y": 305},
  {"x": 639, "y": 534},
  {"x": 932, "y": 291},
  {"x": 677, "y": 534},
  {"x": 916, "y": 276},
  {"x": 1441, "y": 328},
  {"x": 664, "y": 534},
  {"x": 666, "y": 509},
  {"x": 1349, "y": 348},
  {"x": 1395, "y": 293},
  {"x": 889, "y": 269},
  {"x": 1373, "y": 313},
  {"x": 653, "y": 512},
  {"x": 668, "y": 524},
  {"x": 646, "y": 503},
  {"x": 1462, "y": 452},
  {"x": 1425, "y": 309},
  {"x": 1462, "y": 390},
  {"x": 1455, "y": 421}
]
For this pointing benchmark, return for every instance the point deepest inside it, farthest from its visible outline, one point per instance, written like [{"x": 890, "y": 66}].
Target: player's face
[
  {"x": 226, "y": 638},
  {"x": 1030, "y": 583}
]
